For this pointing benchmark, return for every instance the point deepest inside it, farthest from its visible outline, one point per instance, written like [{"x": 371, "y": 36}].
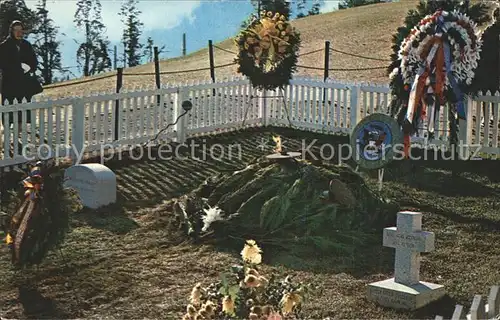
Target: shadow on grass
[
  {"x": 443, "y": 307},
  {"x": 112, "y": 218},
  {"x": 364, "y": 260},
  {"x": 422, "y": 176},
  {"x": 36, "y": 306}
]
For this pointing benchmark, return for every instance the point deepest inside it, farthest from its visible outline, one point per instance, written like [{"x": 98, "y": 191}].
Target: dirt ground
[{"x": 129, "y": 260}]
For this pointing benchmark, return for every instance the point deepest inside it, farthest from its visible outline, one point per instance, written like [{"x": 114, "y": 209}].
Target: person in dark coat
[{"x": 17, "y": 61}]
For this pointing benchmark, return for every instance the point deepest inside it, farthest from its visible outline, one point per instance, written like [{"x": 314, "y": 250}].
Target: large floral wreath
[
  {"x": 268, "y": 51},
  {"x": 438, "y": 59}
]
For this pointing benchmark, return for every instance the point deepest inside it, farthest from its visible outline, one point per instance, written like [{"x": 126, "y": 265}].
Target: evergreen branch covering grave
[{"x": 287, "y": 205}]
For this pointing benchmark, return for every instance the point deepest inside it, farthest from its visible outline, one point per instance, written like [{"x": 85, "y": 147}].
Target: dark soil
[{"x": 130, "y": 260}]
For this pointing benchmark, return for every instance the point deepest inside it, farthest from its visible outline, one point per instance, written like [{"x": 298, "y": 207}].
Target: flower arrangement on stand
[
  {"x": 268, "y": 51},
  {"x": 437, "y": 63},
  {"x": 245, "y": 293}
]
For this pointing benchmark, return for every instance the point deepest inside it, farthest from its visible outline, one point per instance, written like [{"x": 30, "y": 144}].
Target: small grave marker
[
  {"x": 405, "y": 290},
  {"x": 459, "y": 313},
  {"x": 94, "y": 182},
  {"x": 494, "y": 302}
]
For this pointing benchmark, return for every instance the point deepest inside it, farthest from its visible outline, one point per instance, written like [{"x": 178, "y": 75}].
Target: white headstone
[
  {"x": 405, "y": 290},
  {"x": 94, "y": 182}
]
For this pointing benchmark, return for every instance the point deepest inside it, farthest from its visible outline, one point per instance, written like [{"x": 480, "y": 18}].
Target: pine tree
[
  {"x": 281, "y": 6},
  {"x": 148, "y": 52},
  {"x": 316, "y": 6},
  {"x": 45, "y": 45},
  {"x": 300, "y": 7},
  {"x": 131, "y": 33},
  {"x": 11, "y": 10},
  {"x": 356, "y": 3},
  {"x": 93, "y": 54}
]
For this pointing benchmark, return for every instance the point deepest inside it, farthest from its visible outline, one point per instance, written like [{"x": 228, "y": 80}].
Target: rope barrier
[
  {"x": 178, "y": 71},
  {"x": 58, "y": 85},
  {"x": 311, "y": 52},
  {"x": 341, "y": 69},
  {"x": 227, "y": 65},
  {"x": 300, "y": 55},
  {"x": 359, "y": 56},
  {"x": 225, "y": 50},
  {"x": 357, "y": 69}
]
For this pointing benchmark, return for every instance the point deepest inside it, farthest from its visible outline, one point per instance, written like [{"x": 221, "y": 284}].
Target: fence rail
[
  {"x": 82, "y": 125},
  {"x": 481, "y": 309}
]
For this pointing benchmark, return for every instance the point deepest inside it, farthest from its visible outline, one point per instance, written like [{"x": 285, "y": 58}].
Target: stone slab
[
  {"x": 94, "y": 182},
  {"x": 395, "y": 295}
]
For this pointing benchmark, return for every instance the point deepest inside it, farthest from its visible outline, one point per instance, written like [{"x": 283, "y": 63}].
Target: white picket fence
[
  {"x": 66, "y": 127},
  {"x": 481, "y": 308}
]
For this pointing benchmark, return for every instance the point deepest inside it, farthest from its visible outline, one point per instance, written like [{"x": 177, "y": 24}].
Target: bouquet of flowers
[{"x": 245, "y": 293}]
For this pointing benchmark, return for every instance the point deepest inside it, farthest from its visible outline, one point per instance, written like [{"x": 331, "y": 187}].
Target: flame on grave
[
  {"x": 8, "y": 239},
  {"x": 278, "y": 148}
]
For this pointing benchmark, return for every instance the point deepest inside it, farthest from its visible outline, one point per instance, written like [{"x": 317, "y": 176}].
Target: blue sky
[{"x": 164, "y": 21}]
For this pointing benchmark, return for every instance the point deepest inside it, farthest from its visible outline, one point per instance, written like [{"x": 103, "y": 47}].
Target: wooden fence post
[
  {"x": 119, "y": 84},
  {"x": 183, "y": 44},
  {"x": 211, "y": 60},
  {"x": 326, "y": 67},
  {"x": 78, "y": 130},
  {"x": 157, "y": 72}
]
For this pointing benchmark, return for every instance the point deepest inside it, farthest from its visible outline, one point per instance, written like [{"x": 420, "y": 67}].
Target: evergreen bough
[{"x": 50, "y": 218}]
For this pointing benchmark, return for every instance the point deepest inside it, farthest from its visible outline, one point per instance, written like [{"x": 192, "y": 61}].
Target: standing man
[{"x": 18, "y": 63}]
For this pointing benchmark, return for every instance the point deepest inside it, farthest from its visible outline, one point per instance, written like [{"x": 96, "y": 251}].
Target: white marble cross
[{"x": 409, "y": 240}]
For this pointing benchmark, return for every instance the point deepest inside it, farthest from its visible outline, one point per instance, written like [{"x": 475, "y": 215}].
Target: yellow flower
[
  {"x": 274, "y": 316},
  {"x": 251, "y": 281},
  {"x": 253, "y": 272},
  {"x": 209, "y": 308},
  {"x": 251, "y": 252},
  {"x": 269, "y": 14},
  {"x": 263, "y": 281},
  {"x": 289, "y": 301},
  {"x": 228, "y": 305},
  {"x": 257, "y": 310},
  {"x": 282, "y": 18},
  {"x": 267, "y": 310},
  {"x": 196, "y": 295},
  {"x": 253, "y": 316},
  {"x": 191, "y": 310},
  {"x": 202, "y": 314},
  {"x": 199, "y": 317}
]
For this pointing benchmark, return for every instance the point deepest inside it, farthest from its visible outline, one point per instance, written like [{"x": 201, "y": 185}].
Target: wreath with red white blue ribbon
[{"x": 438, "y": 59}]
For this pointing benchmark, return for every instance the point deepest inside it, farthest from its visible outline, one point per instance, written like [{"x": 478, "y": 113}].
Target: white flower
[
  {"x": 394, "y": 73},
  {"x": 212, "y": 214}
]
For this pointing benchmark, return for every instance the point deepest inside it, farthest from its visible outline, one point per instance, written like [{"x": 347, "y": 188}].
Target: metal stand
[{"x": 282, "y": 95}]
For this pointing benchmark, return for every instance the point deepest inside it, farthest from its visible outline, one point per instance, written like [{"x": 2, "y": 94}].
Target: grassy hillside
[{"x": 363, "y": 30}]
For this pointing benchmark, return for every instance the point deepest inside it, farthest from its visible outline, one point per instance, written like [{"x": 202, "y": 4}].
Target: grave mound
[{"x": 286, "y": 203}]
